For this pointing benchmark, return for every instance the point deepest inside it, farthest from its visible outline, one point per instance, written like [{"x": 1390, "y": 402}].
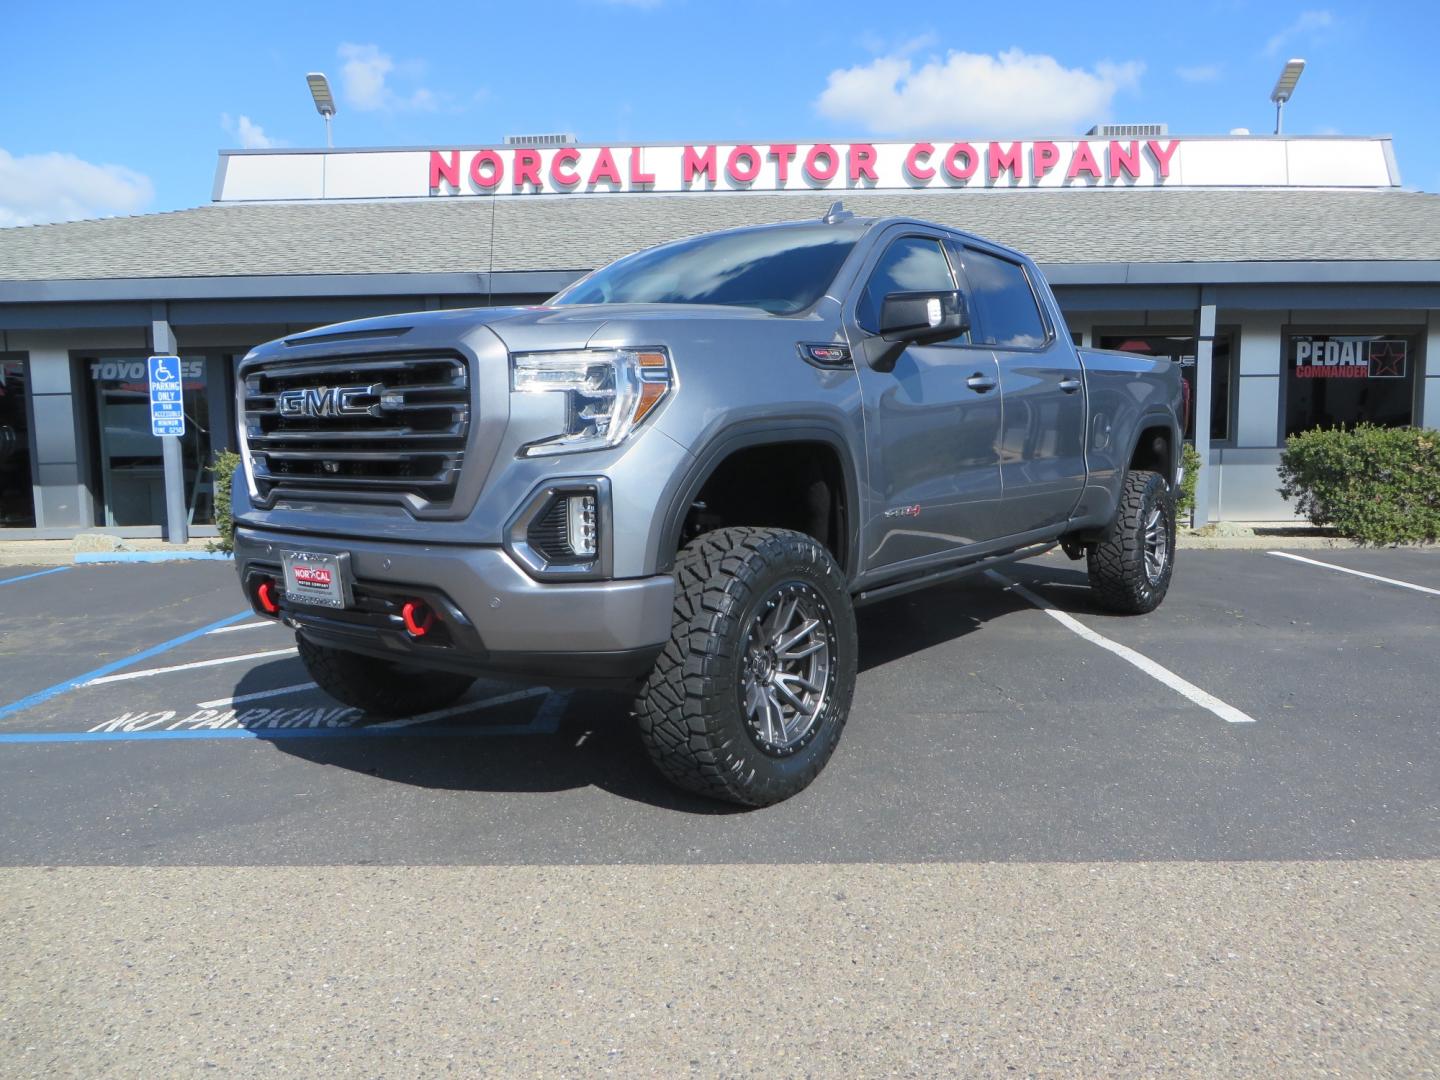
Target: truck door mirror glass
[{"x": 923, "y": 318}]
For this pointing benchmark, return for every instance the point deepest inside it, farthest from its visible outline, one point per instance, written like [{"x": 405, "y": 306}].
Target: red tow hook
[
  {"x": 418, "y": 618},
  {"x": 265, "y": 593}
]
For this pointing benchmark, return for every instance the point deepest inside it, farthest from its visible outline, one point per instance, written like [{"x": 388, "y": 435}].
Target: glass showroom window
[
  {"x": 1339, "y": 380},
  {"x": 17, "y": 495},
  {"x": 1181, "y": 349},
  {"x": 128, "y": 458}
]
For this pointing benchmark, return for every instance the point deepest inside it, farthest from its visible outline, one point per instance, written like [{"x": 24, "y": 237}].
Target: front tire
[
  {"x": 379, "y": 687},
  {"x": 1130, "y": 567},
  {"x": 748, "y": 699}
]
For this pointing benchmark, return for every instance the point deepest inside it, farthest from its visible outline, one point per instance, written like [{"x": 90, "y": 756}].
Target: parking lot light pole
[
  {"x": 324, "y": 101},
  {"x": 1284, "y": 89}
]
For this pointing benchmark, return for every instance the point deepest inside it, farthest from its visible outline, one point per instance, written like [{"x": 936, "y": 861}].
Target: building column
[
  {"x": 177, "y": 514},
  {"x": 1430, "y": 393},
  {"x": 1204, "y": 362}
]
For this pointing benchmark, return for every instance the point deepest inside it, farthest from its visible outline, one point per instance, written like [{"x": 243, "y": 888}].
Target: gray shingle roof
[{"x": 455, "y": 235}]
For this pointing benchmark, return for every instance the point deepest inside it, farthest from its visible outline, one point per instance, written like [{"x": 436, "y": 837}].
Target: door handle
[
  {"x": 1069, "y": 385},
  {"x": 981, "y": 384}
]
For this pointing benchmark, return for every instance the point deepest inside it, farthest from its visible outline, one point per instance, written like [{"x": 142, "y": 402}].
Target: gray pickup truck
[{"x": 682, "y": 474}]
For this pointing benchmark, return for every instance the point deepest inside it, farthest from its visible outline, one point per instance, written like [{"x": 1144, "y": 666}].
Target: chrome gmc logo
[{"x": 322, "y": 401}]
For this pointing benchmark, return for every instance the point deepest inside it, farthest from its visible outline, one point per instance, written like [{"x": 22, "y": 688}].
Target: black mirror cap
[{"x": 922, "y": 318}]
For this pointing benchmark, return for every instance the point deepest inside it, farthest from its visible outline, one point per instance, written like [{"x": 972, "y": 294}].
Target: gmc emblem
[{"x": 322, "y": 401}]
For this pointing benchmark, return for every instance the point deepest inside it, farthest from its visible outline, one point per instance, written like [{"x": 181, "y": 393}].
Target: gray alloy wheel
[{"x": 786, "y": 676}]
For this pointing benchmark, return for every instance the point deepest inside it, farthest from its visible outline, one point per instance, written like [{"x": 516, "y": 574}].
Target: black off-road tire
[
  {"x": 1119, "y": 577},
  {"x": 379, "y": 687},
  {"x": 691, "y": 711}
]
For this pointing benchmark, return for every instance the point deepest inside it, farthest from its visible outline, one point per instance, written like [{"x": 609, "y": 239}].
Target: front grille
[{"x": 359, "y": 425}]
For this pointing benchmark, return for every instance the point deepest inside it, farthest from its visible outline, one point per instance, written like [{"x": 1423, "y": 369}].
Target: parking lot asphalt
[
  {"x": 983, "y": 728},
  {"x": 1052, "y": 842}
]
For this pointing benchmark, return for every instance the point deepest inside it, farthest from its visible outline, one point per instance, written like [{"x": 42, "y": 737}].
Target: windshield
[{"x": 781, "y": 271}]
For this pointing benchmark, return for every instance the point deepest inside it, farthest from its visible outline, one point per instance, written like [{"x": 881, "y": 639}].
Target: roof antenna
[{"x": 837, "y": 212}]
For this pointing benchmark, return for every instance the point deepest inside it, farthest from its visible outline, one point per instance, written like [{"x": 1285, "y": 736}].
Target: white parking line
[
  {"x": 1357, "y": 573},
  {"x": 124, "y": 675},
  {"x": 226, "y": 702},
  {"x": 245, "y": 626},
  {"x": 1183, "y": 687}
]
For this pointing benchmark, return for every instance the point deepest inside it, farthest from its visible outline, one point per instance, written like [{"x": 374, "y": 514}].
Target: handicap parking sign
[{"x": 167, "y": 396}]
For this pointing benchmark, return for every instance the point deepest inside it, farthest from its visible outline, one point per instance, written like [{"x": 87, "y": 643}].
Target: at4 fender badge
[{"x": 904, "y": 511}]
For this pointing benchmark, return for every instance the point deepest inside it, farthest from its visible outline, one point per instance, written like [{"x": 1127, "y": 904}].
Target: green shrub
[
  {"x": 1373, "y": 484},
  {"x": 223, "y": 469},
  {"x": 1185, "y": 500}
]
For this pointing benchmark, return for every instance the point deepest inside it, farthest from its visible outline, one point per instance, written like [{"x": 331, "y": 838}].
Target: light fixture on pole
[
  {"x": 324, "y": 100},
  {"x": 1284, "y": 88}
]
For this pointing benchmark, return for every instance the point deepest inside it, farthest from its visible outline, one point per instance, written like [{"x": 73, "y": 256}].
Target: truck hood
[{"x": 524, "y": 329}]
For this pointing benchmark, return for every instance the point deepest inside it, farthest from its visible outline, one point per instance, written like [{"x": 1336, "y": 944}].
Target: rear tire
[
  {"x": 379, "y": 687},
  {"x": 748, "y": 699},
  {"x": 1130, "y": 567}
]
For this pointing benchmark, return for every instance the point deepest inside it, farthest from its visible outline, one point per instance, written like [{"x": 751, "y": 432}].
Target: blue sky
[{"x": 107, "y": 110}]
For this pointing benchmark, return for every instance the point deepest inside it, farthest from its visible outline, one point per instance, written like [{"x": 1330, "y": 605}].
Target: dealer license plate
[{"x": 313, "y": 577}]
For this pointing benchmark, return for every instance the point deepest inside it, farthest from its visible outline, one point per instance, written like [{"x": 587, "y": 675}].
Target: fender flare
[
  {"x": 681, "y": 492},
  {"x": 1152, "y": 417}
]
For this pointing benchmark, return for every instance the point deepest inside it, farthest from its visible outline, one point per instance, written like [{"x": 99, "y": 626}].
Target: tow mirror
[{"x": 922, "y": 318}]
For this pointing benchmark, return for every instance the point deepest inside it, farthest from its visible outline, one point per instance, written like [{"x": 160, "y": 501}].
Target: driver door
[{"x": 933, "y": 423}]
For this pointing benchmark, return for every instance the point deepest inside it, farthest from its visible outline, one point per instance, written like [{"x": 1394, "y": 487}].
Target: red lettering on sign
[
  {"x": 1083, "y": 160},
  {"x": 1003, "y": 161},
  {"x": 812, "y": 163},
  {"x": 782, "y": 154},
  {"x": 527, "y": 168},
  {"x": 972, "y": 161},
  {"x": 1044, "y": 157},
  {"x": 862, "y": 163},
  {"x": 1162, "y": 157},
  {"x": 694, "y": 164},
  {"x": 1121, "y": 159},
  {"x": 307, "y": 575},
  {"x": 605, "y": 168},
  {"x": 497, "y": 170},
  {"x": 441, "y": 169},
  {"x": 919, "y": 169},
  {"x": 565, "y": 159},
  {"x": 638, "y": 178},
  {"x": 743, "y": 164}
]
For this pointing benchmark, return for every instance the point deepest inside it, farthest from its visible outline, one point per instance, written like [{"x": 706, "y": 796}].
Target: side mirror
[{"x": 923, "y": 318}]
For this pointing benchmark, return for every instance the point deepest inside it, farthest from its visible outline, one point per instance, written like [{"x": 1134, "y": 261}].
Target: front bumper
[{"x": 497, "y": 619}]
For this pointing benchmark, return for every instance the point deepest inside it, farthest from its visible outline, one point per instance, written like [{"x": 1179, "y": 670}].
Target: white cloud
[
  {"x": 1307, "y": 24},
  {"x": 365, "y": 76},
  {"x": 1012, "y": 93},
  {"x": 1200, "y": 73},
  {"x": 250, "y": 134},
  {"x": 36, "y": 188}
]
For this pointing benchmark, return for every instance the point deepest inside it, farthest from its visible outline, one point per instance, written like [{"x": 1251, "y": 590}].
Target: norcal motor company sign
[{"x": 711, "y": 167}]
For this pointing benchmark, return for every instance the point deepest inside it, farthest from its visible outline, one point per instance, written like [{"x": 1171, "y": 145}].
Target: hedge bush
[
  {"x": 1185, "y": 498},
  {"x": 1373, "y": 484},
  {"x": 222, "y": 468}
]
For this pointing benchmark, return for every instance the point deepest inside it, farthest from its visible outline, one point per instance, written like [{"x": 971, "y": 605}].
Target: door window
[
  {"x": 131, "y": 468},
  {"x": 910, "y": 264},
  {"x": 17, "y": 494},
  {"x": 1009, "y": 315}
]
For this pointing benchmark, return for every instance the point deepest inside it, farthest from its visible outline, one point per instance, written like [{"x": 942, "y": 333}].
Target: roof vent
[
  {"x": 1128, "y": 131},
  {"x": 560, "y": 139}
]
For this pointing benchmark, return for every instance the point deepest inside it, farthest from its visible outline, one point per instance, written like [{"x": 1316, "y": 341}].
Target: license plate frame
[{"x": 317, "y": 578}]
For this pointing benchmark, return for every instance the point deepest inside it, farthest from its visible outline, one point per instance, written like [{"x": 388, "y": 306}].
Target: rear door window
[
  {"x": 1009, "y": 314},
  {"x": 910, "y": 264}
]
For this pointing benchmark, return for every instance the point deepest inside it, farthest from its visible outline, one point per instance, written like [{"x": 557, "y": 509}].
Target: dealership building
[{"x": 1294, "y": 280}]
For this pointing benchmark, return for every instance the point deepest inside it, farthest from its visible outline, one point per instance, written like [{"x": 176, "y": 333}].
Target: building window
[
  {"x": 1181, "y": 349},
  {"x": 1340, "y": 380},
  {"x": 128, "y": 458},
  {"x": 17, "y": 491}
]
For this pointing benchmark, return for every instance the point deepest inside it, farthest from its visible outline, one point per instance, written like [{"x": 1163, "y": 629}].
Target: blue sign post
[{"x": 167, "y": 397}]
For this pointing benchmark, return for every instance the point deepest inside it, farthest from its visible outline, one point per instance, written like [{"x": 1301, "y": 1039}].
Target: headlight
[{"x": 607, "y": 393}]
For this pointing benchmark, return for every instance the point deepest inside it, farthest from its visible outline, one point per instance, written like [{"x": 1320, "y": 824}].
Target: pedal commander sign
[
  {"x": 1331, "y": 357},
  {"x": 684, "y": 168}
]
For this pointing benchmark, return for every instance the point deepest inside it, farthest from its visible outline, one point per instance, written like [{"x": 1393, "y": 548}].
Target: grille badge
[{"x": 327, "y": 401}]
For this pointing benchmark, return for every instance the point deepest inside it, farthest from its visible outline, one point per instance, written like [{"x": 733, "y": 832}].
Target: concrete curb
[{"x": 150, "y": 556}]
